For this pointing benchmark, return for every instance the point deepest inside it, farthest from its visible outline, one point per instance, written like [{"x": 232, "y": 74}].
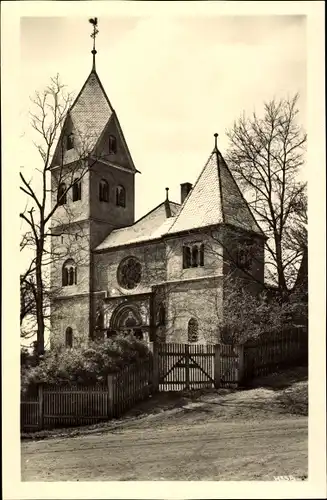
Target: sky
[{"x": 173, "y": 81}]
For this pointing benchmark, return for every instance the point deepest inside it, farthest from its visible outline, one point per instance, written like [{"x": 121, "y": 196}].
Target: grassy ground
[{"x": 256, "y": 434}]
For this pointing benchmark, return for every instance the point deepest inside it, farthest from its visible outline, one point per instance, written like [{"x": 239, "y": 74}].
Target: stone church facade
[{"x": 160, "y": 277}]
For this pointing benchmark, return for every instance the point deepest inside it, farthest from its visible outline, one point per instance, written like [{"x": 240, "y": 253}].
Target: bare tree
[{"x": 265, "y": 156}]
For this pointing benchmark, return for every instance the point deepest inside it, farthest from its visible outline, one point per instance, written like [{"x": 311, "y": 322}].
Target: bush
[{"x": 85, "y": 365}]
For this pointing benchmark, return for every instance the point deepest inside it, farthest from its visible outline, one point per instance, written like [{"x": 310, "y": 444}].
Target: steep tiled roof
[
  {"x": 91, "y": 110},
  {"x": 86, "y": 119},
  {"x": 214, "y": 199},
  {"x": 150, "y": 227}
]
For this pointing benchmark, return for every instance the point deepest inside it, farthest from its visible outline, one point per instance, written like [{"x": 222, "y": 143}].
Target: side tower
[
  {"x": 92, "y": 184},
  {"x": 214, "y": 242}
]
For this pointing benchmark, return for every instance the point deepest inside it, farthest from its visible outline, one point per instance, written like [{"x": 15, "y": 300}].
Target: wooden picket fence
[
  {"x": 265, "y": 355},
  {"x": 71, "y": 405},
  {"x": 171, "y": 367}
]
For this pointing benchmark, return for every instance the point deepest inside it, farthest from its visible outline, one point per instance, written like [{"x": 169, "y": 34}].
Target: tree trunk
[
  {"x": 282, "y": 287},
  {"x": 39, "y": 303}
]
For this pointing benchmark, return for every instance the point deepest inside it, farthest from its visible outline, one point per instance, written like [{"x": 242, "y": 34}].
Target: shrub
[{"x": 85, "y": 365}]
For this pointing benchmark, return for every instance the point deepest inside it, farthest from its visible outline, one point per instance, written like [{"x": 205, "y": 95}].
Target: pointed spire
[
  {"x": 216, "y": 137},
  {"x": 94, "y": 21}
]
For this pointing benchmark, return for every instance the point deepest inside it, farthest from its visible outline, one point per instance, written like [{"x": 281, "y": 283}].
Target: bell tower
[{"x": 92, "y": 183}]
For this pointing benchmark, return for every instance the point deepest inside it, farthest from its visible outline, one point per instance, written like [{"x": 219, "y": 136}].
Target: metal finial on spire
[
  {"x": 94, "y": 21},
  {"x": 167, "y": 191},
  {"x": 216, "y": 136}
]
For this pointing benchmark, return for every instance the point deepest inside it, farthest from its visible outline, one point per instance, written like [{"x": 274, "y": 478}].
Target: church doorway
[{"x": 126, "y": 319}]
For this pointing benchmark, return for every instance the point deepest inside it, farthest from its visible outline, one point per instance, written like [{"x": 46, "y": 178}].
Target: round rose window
[{"x": 129, "y": 273}]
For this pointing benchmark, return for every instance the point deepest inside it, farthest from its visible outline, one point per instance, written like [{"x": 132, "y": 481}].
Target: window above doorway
[
  {"x": 129, "y": 273},
  {"x": 193, "y": 255}
]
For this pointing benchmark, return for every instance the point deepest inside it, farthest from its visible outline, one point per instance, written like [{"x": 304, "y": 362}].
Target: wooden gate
[{"x": 179, "y": 367}]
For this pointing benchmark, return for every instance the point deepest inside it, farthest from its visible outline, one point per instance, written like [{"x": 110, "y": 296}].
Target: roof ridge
[
  {"x": 240, "y": 192},
  {"x": 220, "y": 185}
]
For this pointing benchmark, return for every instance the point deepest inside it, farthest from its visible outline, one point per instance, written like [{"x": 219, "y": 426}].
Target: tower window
[
  {"x": 77, "y": 190},
  {"x": 120, "y": 196},
  {"x": 70, "y": 141},
  {"x": 112, "y": 144},
  {"x": 69, "y": 273},
  {"x": 193, "y": 255},
  {"x": 192, "y": 330},
  {"x": 104, "y": 191},
  {"x": 62, "y": 194},
  {"x": 69, "y": 337}
]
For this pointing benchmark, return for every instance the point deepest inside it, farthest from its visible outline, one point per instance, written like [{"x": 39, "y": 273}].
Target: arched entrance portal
[{"x": 127, "y": 319}]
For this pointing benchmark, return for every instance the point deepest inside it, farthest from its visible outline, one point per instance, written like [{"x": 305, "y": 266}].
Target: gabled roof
[
  {"x": 150, "y": 227},
  {"x": 215, "y": 199}
]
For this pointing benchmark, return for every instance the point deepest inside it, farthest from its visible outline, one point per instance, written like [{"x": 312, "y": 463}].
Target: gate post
[
  {"x": 240, "y": 371},
  {"x": 217, "y": 366},
  {"x": 111, "y": 403},
  {"x": 155, "y": 368},
  {"x": 40, "y": 406},
  {"x": 187, "y": 367}
]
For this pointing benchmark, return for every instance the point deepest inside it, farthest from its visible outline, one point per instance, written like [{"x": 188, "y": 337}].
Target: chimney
[{"x": 185, "y": 189}]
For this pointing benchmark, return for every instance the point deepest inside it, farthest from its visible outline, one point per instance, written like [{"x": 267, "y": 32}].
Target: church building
[{"x": 161, "y": 277}]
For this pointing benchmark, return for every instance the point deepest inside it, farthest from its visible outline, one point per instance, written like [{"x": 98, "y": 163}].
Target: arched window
[
  {"x": 62, "y": 195},
  {"x": 70, "y": 141},
  {"x": 103, "y": 190},
  {"x": 112, "y": 144},
  {"x": 69, "y": 337},
  {"x": 69, "y": 273},
  {"x": 120, "y": 196},
  {"x": 192, "y": 330},
  {"x": 77, "y": 190}
]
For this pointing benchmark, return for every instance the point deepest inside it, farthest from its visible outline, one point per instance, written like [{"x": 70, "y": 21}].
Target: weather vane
[{"x": 94, "y": 21}]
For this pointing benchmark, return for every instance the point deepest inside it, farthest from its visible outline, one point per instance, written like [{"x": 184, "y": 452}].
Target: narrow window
[
  {"x": 244, "y": 257},
  {"x": 186, "y": 257},
  {"x": 120, "y": 196},
  {"x": 192, "y": 330},
  {"x": 70, "y": 141},
  {"x": 202, "y": 255},
  {"x": 71, "y": 276},
  {"x": 62, "y": 195},
  {"x": 104, "y": 191},
  {"x": 162, "y": 315},
  {"x": 112, "y": 144},
  {"x": 69, "y": 337},
  {"x": 65, "y": 276},
  {"x": 77, "y": 190},
  {"x": 195, "y": 255}
]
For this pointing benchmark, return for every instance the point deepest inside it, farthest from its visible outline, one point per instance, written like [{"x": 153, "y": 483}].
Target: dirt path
[
  {"x": 237, "y": 436},
  {"x": 212, "y": 451}
]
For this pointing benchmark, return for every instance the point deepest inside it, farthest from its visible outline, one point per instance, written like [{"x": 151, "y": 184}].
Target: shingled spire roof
[
  {"x": 215, "y": 199},
  {"x": 88, "y": 119}
]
